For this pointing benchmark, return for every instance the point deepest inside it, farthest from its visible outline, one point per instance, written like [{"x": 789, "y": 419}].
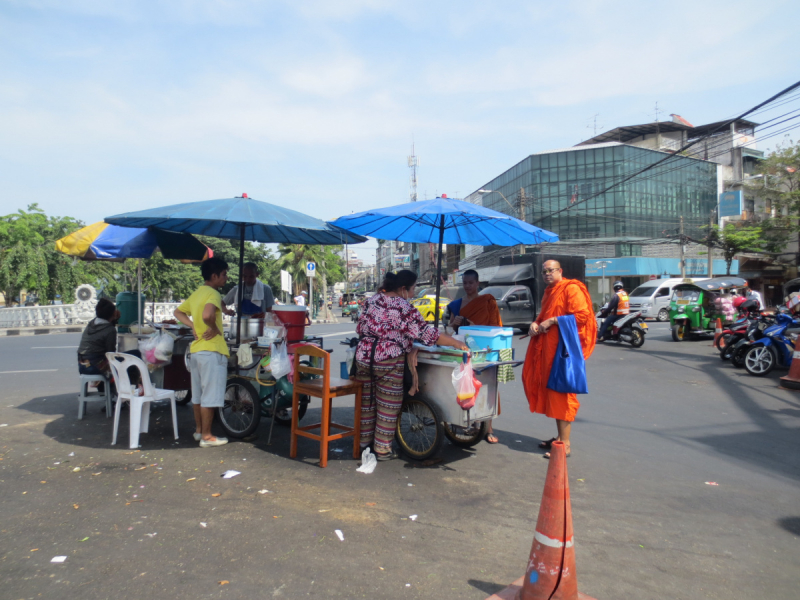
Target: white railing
[{"x": 72, "y": 314}]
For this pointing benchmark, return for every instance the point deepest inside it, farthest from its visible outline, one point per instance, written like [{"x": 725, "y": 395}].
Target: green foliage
[
  {"x": 29, "y": 262},
  {"x": 734, "y": 239},
  {"x": 293, "y": 258}
]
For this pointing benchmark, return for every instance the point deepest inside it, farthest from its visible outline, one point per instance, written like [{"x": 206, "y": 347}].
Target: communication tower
[{"x": 413, "y": 163}]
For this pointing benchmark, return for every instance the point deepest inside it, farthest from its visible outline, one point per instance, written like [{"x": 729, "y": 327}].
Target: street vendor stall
[
  {"x": 434, "y": 411},
  {"x": 245, "y": 219}
]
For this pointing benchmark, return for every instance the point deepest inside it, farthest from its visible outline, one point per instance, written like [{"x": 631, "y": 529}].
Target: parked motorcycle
[
  {"x": 774, "y": 349},
  {"x": 734, "y": 332},
  {"x": 736, "y": 351},
  {"x": 629, "y": 328}
]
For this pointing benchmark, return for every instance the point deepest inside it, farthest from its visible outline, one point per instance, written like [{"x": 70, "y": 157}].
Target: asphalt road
[{"x": 659, "y": 423}]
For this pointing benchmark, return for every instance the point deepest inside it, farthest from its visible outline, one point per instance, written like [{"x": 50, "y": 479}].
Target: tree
[
  {"x": 779, "y": 188},
  {"x": 734, "y": 239},
  {"x": 293, "y": 258}
]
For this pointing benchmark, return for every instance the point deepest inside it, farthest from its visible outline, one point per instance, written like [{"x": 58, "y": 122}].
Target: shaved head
[{"x": 551, "y": 272}]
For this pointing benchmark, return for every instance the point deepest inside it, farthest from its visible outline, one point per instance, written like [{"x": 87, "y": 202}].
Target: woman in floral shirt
[{"x": 388, "y": 327}]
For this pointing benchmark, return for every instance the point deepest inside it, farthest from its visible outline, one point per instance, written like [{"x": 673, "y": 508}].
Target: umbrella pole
[
  {"x": 139, "y": 295},
  {"x": 439, "y": 274},
  {"x": 240, "y": 287}
]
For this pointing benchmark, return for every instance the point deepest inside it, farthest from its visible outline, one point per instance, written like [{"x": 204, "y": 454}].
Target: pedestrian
[
  {"x": 300, "y": 299},
  {"x": 754, "y": 295},
  {"x": 209, "y": 360},
  {"x": 387, "y": 331},
  {"x": 475, "y": 309},
  {"x": 561, "y": 297}
]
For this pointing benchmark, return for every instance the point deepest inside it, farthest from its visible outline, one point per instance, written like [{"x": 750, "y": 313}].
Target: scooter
[
  {"x": 732, "y": 334},
  {"x": 629, "y": 328},
  {"x": 774, "y": 349}
]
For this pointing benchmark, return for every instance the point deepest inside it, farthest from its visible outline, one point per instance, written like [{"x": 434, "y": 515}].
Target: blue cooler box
[{"x": 491, "y": 338}]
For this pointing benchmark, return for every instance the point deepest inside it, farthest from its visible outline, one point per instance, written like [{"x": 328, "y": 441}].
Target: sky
[{"x": 314, "y": 105}]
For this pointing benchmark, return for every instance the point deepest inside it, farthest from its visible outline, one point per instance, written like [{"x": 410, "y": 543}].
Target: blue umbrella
[
  {"x": 448, "y": 220},
  {"x": 240, "y": 218}
]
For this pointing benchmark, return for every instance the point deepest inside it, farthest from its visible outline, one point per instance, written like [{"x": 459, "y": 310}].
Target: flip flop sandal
[
  {"x": 547, "y": 444},
  {"x": 547, "y": 455},
  {"x": 491, "y": 435}
]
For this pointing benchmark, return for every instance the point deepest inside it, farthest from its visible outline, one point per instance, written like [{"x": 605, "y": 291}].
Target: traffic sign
[{"x": 311, "y": 269}]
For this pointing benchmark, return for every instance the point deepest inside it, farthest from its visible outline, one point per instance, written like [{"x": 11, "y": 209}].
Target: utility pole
[
  {"x": 683, "y": 258},
  {"x": 710, "y": 256},
  {"x": 522, "y": 213}
]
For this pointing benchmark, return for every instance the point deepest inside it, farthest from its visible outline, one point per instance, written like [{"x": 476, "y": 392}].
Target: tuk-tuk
[{"x": 696, "y": 306}]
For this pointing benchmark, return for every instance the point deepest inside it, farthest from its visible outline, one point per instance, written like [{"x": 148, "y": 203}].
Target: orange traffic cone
[
  {"x": 717, "y": 332},
  {"x": 550, "y": 574},
  {"x": 792, "y": 380}
]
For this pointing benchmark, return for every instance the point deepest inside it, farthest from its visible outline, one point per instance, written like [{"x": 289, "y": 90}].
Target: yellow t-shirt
[{"x": 193, "y": 307}]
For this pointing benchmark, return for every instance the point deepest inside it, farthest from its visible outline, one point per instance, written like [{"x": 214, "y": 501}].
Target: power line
[{"x": 686, "y": 146}]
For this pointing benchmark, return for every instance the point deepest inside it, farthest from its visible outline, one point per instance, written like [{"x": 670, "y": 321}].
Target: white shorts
[{"x": 209, "y": 375}]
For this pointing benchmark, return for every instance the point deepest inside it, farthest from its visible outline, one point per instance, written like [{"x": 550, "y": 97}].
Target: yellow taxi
[{"x": 427, "y": 306}]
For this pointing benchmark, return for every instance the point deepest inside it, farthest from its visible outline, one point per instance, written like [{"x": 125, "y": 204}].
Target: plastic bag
[
  {"x": 279, "y": 360},
  {"x": 464, "y": 385},
  {"x": 350, "y": 356},
  {"x": 164, "y": 346},
  {"x": 368, "y": 462}
]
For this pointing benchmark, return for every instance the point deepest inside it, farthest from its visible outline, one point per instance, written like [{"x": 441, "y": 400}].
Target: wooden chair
[{"x": 327, "y": 388}]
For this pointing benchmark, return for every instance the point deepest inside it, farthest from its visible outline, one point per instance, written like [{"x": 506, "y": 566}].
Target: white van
[{"x": 652, "y": 297}]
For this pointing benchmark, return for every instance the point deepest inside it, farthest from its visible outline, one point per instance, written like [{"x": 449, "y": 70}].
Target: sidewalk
[{"x": 44, "y": 330}]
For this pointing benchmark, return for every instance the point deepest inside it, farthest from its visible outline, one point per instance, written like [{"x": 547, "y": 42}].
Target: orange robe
[
  {"x": 567, "y": 297},
  {"x": 482, "y": 311}
]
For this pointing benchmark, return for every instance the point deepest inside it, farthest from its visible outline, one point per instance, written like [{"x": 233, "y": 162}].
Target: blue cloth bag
[{"x": 568, "y": 374}]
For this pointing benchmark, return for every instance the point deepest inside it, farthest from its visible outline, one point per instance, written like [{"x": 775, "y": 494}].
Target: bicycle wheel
[
  {"x": 419, "y": 429},
  {"x": 465, "y": 437},
  {"x": 183, "y": 397},
  {"x": 241, "y": 412}
]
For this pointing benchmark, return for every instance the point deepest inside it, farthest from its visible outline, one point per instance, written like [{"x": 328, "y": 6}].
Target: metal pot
[{"x": 251, "y": 328}]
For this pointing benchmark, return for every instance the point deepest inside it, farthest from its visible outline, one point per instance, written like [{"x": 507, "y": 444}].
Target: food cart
[{"x": 433, "y": 413}]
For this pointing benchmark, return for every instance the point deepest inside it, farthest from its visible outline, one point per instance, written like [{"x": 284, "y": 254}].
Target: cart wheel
[
  {"x": 183, "y": 397},
  {"x": 284, "y": 416},
  {"x": 419, "y": 429},
  {"x": 465, "y": 437},
  {"x": 241, "y": 412}
]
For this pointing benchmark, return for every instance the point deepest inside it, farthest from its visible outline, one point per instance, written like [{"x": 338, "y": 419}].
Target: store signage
[{"x": 731, "y": 204}]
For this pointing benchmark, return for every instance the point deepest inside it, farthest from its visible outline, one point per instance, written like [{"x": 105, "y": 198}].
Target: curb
[
  {"x": 24, "y": 331},
  {"x": 324, "y": 321}
]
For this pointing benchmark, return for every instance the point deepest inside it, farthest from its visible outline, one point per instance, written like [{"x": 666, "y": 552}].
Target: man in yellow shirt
[{"x": 209, "y": 350}]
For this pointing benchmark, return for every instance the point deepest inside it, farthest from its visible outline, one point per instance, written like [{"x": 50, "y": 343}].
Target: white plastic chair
[
  {"x": 139, "y": 405},
  {"x": 85, "y": 396}
]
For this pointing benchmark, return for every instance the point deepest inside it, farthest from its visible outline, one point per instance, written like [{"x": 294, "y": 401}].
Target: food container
[
  {"x": 250, "y": 328},
  {"x": 479, "y": 337},
  {"x": 270, "y": 335},
  {"x": 294, "y": 319}
]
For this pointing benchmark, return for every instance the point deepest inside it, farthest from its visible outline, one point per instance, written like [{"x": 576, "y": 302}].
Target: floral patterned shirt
[{"x": 396, "y": 324}]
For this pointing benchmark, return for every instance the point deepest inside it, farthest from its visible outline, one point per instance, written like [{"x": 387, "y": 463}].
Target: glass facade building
[{"x": 645, "y": 207}]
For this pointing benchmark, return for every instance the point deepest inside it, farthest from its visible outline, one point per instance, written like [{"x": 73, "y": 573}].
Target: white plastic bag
[
  {"x": 164, "y": 346},
  {"x": 350, "y": 356},
  {"x": 279, "y": 361},
  {"x": 368, "y": 462}
]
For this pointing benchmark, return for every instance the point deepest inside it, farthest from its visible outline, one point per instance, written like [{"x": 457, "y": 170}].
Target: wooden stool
[{"x": 327, "y": 388}]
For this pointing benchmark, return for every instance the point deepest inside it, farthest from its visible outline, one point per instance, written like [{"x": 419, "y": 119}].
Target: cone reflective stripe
[
  {"x": 550, "y": 574},
  {"x": 792, "y": 380}
]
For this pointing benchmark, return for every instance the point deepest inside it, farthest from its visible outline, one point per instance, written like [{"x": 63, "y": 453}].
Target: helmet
[{"x": 618, "y": 285}]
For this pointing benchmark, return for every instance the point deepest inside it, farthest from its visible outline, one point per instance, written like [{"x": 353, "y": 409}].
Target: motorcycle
[
  {"x": 736, "y": 351},
  {"x": 736, "y": 331},
  {"x": 629, "y": 328},
  {"x": 775, "y": 348}
]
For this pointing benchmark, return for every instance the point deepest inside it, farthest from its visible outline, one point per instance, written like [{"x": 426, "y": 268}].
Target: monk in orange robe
[
  {"x": 476, "y": 310},
  {"x": 561, "y": 297}
]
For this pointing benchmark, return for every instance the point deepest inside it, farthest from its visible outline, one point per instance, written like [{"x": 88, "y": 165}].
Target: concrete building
[{"x": 586, "y": 194}]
